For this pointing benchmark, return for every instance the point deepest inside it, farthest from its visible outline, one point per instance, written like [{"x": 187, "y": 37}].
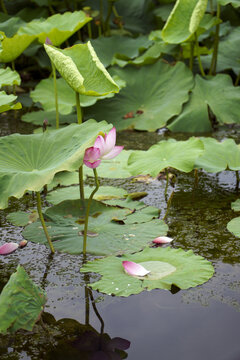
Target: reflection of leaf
[
  {"x": 180, "y": 155},
  {"x": 147, "y": 91},
  {"x": 216, "y": 92},
  {"x": 21, "y": 303},
  {"x": 66, "y": 223},
  {"x": 27, "y": 162},
  {"x": 168, "y": 267}
]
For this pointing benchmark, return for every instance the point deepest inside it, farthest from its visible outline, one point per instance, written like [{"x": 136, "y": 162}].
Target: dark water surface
[{"x": 196, "y": 324}]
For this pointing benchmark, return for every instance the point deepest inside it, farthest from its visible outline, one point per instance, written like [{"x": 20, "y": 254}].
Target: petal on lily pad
[
  {"x": 8, "y": 248},
  {"x": 162, "y": 240},
  {"x": 134, "y": 269}
]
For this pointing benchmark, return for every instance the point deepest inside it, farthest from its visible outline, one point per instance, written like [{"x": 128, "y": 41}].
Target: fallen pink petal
[
  {"x": 8, "y": 248},
  {"x": 134, "y": 269},
  {"x": 22, "y": 244},
  {"x": 162, "y": 240}
]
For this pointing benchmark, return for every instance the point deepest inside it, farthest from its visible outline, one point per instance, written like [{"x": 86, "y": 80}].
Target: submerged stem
[
  {"x": 39, "y": 208},
  {"x": 78, "y": 106},
  {"x": 55, "y": 94},
  {"x": 88, "y": 210},
  {"x": 168, "y": 205}
]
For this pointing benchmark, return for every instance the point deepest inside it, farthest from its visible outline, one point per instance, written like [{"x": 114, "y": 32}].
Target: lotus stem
[
  {"x": 213, "y": 65},
  {"x": 106, "y": 24},
  {"x": 195, "y": 177},
  {"x": 101, "y": 13},
  {"x": 89, "y": 30},
  {"x": 78, "y": 106},
  {"x": 81, "y": 187},
  {"x": 167, "y": 181},
  {"x": 39, "y": 208},
  {"x": 191, "y": 55},
  {"x": 168, "y": 205},
  {"x": 88, "y": 210},
  {"x": 87, "y": 307},
  {"x": 211, "y": 7},
  {"x": 237, "y": 178},
  {"x": 237, "y": 80},
  {"x": 96, "y": 310},
  {"x": 55, "y": 94},
  {"x": 199, "y": 58},
  {"x": 3, "y": 7}
]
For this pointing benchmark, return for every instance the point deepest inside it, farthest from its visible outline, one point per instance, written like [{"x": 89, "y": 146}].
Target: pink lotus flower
[
  {"x": 104, "y": 149},
  {"x": 8, "y": 248},
  {"x": 134, "y": 269},
  {"x": 162, "y": 240}
]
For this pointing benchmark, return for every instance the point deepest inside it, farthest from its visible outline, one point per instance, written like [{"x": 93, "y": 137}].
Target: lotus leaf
[
  {"x": 57, "y": 28},
  {"x": 21, "y": 303},
  {"x": 219, "y": 156},
  {"x": 14, "y": 46},
  {"x": 236, "y": 205},
  {"x": 83, "y": 71},
  {"x": 235, "y": 3},
  {"x": 66, "y": 223},
  {"x": 184, "y": 20},
  {"x": 216, "y": 92},
  {"x": 9, "y": 77},
  {"x": 6, "y": 102},
  {"x": 168, "y": 267},
  {"x": 234, "y": 226},
  {"x": 10, "y": 24},
  {"x": 109, "y": 49},
  {"x": 22, "y": 218},
  {"x": 37, "y": 117},
  {"x": 152, "y": 96},
  {"x": 180, "y": 155},
  {"x": 28, "y": 162},
  {"x": 163, "y": 11},
  {"x": 72, "y": 193}
]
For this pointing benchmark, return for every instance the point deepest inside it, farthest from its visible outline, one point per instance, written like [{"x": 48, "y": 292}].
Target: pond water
[{"x": 195, "y": 324}]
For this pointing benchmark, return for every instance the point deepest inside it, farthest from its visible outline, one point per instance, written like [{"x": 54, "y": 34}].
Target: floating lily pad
[
  {"x": 236, "y": 205},
  {"x": 9, "y": 77},
  {"x": 146, "y": 103},
  {"x": 14, "y": 46},
  {"x": 168, "y": 267},
  {"x": 180, "y": 155},
  {"x": 66, "y": 223},
  {"x": 72, "y": 193},
  {"x": 28, "y": 162},
  {"x": 22, "y": 218},
  {"x": 37, "y": 117},
  {"x": 225, "y": 105},
  {"x": 183, "y": 20},
  {"x": 218, "y": 156},
  {"x": 6, "y": 102},
  {"x": 21, "y": 303},
  {"x": 57, "y": 28},
  {"x": 82, "y": 70},
  {"x": 234, "y": 226}
]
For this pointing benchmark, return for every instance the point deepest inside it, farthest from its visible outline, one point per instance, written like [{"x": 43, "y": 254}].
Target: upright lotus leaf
[
  {"x": 219, "y": 156},
  {"x": 57, "y": 28},
  {"x": 183, "y": 21},
  {"x": 21, "y": 303},
  {"x": 72, "y": 193},
  {"x": 82, "y": 70},
  {"x": 180, "y": 155},
  {"x": 234, "y": 3},
  {"x": 216, "y": 92},
  {"x": 6, "y": 102},
  {"x": 28, "y": 162},
  {"x": 167, "y": 267},
  {"x": 153, "y": 95},
  {"x": 14, "y": 46},
  {"x": 65, "y": 223},
  {"x": 124, "y": 47},
  {"x": 9, "y": 77}
]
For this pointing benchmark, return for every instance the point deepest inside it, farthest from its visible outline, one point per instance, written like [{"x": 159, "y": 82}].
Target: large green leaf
[
  {"x": 183, "y": 21},
  {"x": 168, "y": 267},
  {"x": 66, "y": 223},
  {"x": 83, "y": 71},
  {"x": 180, "y": 155},
  {"x": 37, "y": 117},
  {"x": 235, "y": 3},
  {"x": 146, "y": 105},
  {"x": 216, "y": 92},
  {"x": 6, "y": 102},
  {"x": 14, "y": 46},
  {"x": 219, "y": 156},
  {"x": 21, "y": 303},
  {"x": 9, "y": 77},
  {"x": 57, "y": 28},
  {"x": 27, "y": 162}
]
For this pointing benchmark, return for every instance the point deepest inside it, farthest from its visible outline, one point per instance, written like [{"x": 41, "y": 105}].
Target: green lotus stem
[
  {"x": 167, "y": 181},
  {"x": 89, "y": 30},
  {"x": 237, "y": 80},
  {"x": 196, "y": 177},
  {"x": 39, "y": 208},
  {"x": 88, "y": 210},
  {"x": 99, "y": 30},
  {"x": 3, "y": 7},
  {"x": 213, "y": 65},
  {"x": 211, "y": 6},
  {"x": 106, "y": 24},
  {"x": 168, "y": 205},
  {"x": 199, "y": 58},
  {"x": 191, "y": 55},
  {"x": 101, "y": 12},
  {"x": 81, "y": 188},
  {"x": 55, "y": 94},
  {"x": 78, "y": 106}
]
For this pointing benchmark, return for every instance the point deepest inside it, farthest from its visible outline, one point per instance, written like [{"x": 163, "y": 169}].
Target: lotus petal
[
  {"x": 162, "y": 240},
  {"x": 8, "y": 248},
  {"x": 134, "y": 269},
  {"x": 113, "y": 153},
  {"x": 91, "y": 157}
]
